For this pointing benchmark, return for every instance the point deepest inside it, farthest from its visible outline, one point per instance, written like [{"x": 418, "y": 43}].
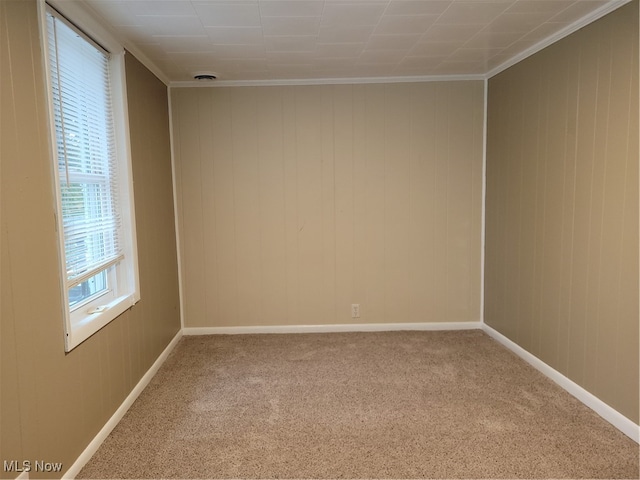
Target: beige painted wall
[
  {"x": 295, "y": 202},
  {"x": 562, "y": 207},
  {"x": 52, "y": 404}
]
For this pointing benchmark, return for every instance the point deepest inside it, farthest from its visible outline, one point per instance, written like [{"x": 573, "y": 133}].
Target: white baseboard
[
  {"x": 615, "y": 418},
  {"x": 88, "y": 452},
  {"x": 348, "y": 327}
]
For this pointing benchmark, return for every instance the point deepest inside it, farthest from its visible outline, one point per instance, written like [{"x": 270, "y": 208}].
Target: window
[{"x": 92, "y": 178}]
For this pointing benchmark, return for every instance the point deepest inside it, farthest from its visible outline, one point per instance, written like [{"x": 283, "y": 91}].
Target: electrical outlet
[{"x": 355, "y": 310}]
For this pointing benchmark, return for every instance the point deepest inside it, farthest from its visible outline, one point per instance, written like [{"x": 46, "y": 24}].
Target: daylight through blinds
[{"x": 85, "y": 150}]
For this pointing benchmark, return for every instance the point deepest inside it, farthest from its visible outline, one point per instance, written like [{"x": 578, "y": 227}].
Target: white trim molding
[
  {"x": 615, "y": 418},
  {"x": 176, "y": 215},
  {"x": 88, "y": 452},
  {"x": 332, "y": 328},
  {"x": 565, "y": 32},
  {"x": 146, "y": 61},
  {"x": 325, "y": 81},
  {"x": 483, "y": 212},
  {"x": 95, "y": 18}
]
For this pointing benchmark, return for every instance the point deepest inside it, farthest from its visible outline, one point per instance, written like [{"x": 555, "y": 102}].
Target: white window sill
[{"x": 91, "y": 323}]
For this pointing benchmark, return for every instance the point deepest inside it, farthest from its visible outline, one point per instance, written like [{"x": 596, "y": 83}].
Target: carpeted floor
[{"x": 357, "y": 405}]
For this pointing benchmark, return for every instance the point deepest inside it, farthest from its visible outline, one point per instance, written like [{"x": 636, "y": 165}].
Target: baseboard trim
[
  {"x": 88, "y": 452},
  {"x": 348, "y": 327},
  {"x": 615, "y": 418}
]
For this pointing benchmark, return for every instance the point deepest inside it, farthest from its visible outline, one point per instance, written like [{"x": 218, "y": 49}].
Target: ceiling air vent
[{"x": 204, "y": 76}]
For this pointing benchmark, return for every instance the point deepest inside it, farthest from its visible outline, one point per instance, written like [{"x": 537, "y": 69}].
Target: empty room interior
[{"x": 319, "y": 239}]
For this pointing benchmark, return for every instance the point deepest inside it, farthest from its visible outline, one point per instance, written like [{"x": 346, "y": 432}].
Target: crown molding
[
  {"x": 142, "y": 58},
  {"x": 565, "y": 32},
  {"x": 91, "y": 15},
  {"x": 325, "y": 81}
]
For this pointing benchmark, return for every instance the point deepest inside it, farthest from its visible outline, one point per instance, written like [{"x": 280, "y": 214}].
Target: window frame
[{"x": 123, "y": 275}]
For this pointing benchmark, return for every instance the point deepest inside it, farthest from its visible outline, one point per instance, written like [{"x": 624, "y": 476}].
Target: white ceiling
[{"x": 266, "y": 40}]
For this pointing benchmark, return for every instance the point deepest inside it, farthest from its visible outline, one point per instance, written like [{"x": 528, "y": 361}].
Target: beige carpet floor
[{"x": 357, "y": 405}]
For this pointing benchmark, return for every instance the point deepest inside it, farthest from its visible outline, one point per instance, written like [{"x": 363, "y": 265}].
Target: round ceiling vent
[{"x": 204, "y": 76}]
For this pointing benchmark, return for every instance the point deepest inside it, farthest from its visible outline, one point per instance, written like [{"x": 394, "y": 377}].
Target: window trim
[{"x": 80, "y": 326}]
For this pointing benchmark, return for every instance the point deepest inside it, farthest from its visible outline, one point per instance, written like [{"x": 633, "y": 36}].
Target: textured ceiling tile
[
  {"x": 405, "y": 24},
  {"x": 247, "y": 37},
  {"x": 379, "y": 56},
  {"x": 193, "y": 58},
  {"x": 392, "y": 42},
  {"x": 352, "y": 14},
  {"x": 229, "y": 15},
  {"x": 245, "y": 65},
  {"x": 450, "y": 33},
  {"x": 459, "y": 68},
  {"x": 421, "y": 62},
  {"x": 170, "y": 25},
  {"x": 291, "y": 8},
  {"x": 490, "y": 39},
  {"x": 293, "y": 43},
  {"x": 374, "y": 70},
  {"x": 329, "y": 62},
  {"x": 337, "y": 34},
  {"x": 234, "y": 35},
  {"x": 339, "y": 50},
  {"x": 116, "y": 13},
  {"x": 288, "y": 57},
  {"x": 417, "y": 7},
  {"x": 200, "y": 43},
  {"x": 290, "y": 25},
  {"x": 518, "y": 22},
  {"x": 473, "y": 54},
  {"x": 464, "y": 13},
  {"x": 537, "y": 6},
  {"x": 160, "y": 7},
  {"x": 160, "y": 25},
  {"x": 434, "y": 49},
  {"x": 238, "y": 51}
]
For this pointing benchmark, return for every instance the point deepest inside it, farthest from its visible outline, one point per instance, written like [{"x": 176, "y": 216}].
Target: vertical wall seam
[
  {"x": 573, "y": 214},
  {"x": 622, "y": 227},
  {"x": 177, "y": 215},
  {"x": 297, "y": 189},
  {"x": 211, "y": 97},
  {"x": 590, "y": 218},
  {"x": 259, "y": 207},
  {"x": 335, "y": 230},
  {"x": 602, "y": 213},
  {"x": 483, "y": 214},
  {"x": 233, "y": 204},
  {"x": 205, "y": 252}
]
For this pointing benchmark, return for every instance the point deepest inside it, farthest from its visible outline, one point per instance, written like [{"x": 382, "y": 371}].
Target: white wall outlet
[{"x": 355, "y": 310}]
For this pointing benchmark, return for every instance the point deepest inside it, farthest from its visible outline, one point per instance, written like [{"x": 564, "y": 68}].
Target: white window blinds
[{"x": 86, "y": 154}]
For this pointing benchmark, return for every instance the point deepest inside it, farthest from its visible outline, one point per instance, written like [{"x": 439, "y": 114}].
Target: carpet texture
[{"x": 357, "y": 405}]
